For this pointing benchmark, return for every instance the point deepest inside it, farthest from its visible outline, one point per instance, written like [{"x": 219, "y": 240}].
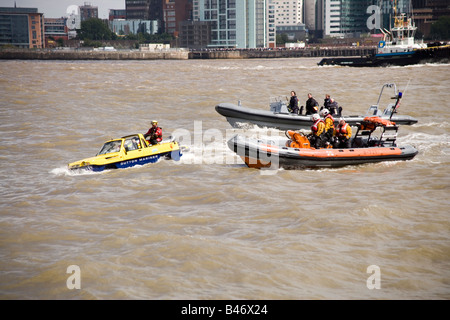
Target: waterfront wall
[
  {"x": 45, "y": 54},
  {"x": 283, "y": 53},
  {"x": 92, "y": 55}
]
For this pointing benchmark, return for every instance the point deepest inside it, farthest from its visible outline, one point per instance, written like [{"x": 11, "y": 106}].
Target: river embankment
[
  {"x": 174, "y": 54},
  {"x": 51, "y": 54}
]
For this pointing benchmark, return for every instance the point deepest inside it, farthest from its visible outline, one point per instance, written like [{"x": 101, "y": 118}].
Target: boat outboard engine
[{"x": 296, "y": 140}]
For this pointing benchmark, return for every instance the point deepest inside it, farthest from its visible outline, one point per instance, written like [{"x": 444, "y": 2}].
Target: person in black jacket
[
  {"x": 293, "y": 103},
  {"x": 312, "y": 106},
  {"x": 326, "y": 102}
]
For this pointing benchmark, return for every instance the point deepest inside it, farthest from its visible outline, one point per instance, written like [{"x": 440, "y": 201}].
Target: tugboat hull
[{"x": 427, "y": 55}]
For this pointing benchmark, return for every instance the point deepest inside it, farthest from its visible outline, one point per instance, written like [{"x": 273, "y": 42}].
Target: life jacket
[
  {"x": 329, "y": 124},
  {"x": 155, "y": 133},
  {"x": 315, "y": 127},
  {"x": 342, "y": 129}
]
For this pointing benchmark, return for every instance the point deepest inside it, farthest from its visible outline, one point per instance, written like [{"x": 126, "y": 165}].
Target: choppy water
[{"x": 208, "y": 227}]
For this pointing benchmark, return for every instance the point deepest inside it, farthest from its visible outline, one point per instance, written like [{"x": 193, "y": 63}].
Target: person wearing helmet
[
  {"x": 154, "y": 134},
  {"x": 343, "y": 133},
  {"x": 317, "y": 129},
  {"x": 329, "y": 127}
]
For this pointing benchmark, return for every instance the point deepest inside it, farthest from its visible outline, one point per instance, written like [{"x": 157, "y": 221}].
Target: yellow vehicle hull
[{"x": 127, "y": 152}]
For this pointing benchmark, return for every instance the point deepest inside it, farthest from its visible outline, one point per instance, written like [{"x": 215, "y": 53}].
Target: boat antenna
[{"x": 406, "y": 88}]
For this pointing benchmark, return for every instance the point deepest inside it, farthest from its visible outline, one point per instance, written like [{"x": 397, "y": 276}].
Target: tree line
[{"x": 95, "y": 29}]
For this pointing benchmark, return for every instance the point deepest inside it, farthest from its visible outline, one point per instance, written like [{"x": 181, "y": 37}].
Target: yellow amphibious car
[{"x": 128, "y": 151}]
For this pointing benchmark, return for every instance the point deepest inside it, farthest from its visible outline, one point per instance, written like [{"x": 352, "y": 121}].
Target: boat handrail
[
  {"x": 387, "y": 85},
  {"x": 278, "y": 99},
  {"x": 389, "y": 110},
  {"x": 373, "y": 111}
]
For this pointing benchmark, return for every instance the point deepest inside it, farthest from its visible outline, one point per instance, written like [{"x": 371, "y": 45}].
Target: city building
[
  {"x": 332, "y": 19},
  {"x": 426, "y": 12},
  {"x": 234, "y": 23},
  {"x": 145, "y": 10},
  {"x": 133, "y": 26},
  {"x": 313, "y": 16},
  {"x": 271, "y": 26},
  {"x": 288, "y": 12},
  {"x": 55, "y": 29},
  {"x": 137, "y": 9},
  {"x": 21, "y": 27},
  {"x": 297, "y": 33},
  {"x": 117, "y": 14},
  {"x": 288, "y": 19},
  {"x": 156, "y": 13},
  {"x": 88, "y": 11},
  {"x": 176, "y": 11},
  {"x": 353, "y": 18},
  {"x": 194, "y": 34}
]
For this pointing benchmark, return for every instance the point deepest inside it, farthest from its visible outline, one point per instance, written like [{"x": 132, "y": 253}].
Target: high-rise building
[
  {"x": 234, "y": 23},
  {"x": 313, "y": 16},
  {"x": 21, "y": 27},
  {"x": 195, "y": 34},
  {"x": 117, "y": 14},
  {"x": 145, "y": 10},
  {"x": 88, "y": 11},
  {"x": 426, "y": 12},
  {"x": 288, "y": 12},
  {"x": 351, "y": 18},
  {"x": 332, "y": 18},
  {"x": 271, "y": 24},
  {"x": 288, "y": 19},
  {"x": 348, "y": 18},
  {"x": 176, "y": 11},
  {"x": 156, "y": 11},
  {"x": 137, "y": 9}
]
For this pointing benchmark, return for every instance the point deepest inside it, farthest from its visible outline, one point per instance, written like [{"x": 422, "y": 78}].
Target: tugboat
[
  {"x": 397, "y": 48},
  {"x": 280, "y": 118},
  {"x": 296, "y": 152}
]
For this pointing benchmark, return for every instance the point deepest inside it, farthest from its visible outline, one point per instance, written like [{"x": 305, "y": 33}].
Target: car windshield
[{"x": 111, "y": 146}]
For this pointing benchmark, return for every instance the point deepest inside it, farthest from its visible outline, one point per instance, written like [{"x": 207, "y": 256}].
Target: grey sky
[{"x": 58, "y": 8}]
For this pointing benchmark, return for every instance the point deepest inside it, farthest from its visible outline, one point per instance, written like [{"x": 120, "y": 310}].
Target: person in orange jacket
[
  {"x": 329, "y": 127},
  {"x": 317, "y": 129},
  {"x": 343, "y": 133}
]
